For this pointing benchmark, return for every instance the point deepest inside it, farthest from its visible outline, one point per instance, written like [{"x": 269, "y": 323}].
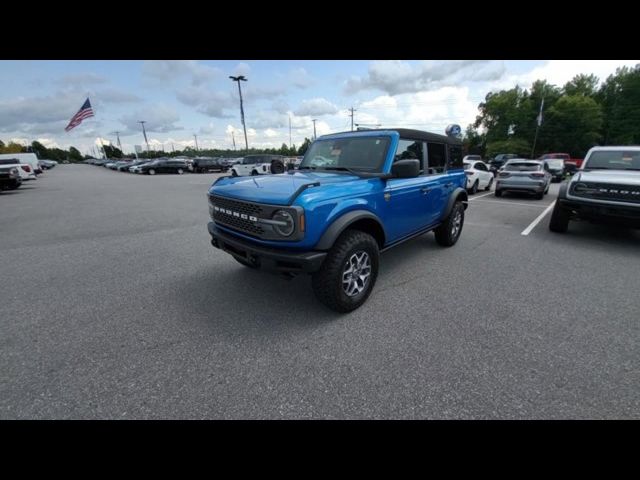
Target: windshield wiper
[{"x": 343, "y": 169}]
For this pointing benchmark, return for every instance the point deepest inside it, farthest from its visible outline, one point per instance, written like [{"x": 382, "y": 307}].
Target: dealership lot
[{"x": 115, "y": 305}]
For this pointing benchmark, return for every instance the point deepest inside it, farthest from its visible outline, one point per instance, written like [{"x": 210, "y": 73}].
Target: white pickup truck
[
  {"x": 258, "y": 165},
  {"x": 25, "y": 170}
]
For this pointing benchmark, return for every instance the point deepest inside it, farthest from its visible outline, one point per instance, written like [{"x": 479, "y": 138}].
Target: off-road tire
[
  {"x": 446, "y": 234},
  {"x": 327, "y": 282},
  {"x": 559, "y": 222}
]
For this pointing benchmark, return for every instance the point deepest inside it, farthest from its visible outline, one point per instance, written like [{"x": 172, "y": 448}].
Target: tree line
[
  {"x": 577, "y": 116},
  {"x": 73, "y": 155}
]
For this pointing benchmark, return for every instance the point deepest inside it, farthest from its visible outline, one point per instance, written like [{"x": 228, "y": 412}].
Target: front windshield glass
[
  {"x": 353, "y": 153},
  {"x": 614, "y": 160}
]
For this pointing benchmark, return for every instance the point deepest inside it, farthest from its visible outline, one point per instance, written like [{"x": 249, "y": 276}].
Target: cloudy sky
[{"x": 178, "y": 99}]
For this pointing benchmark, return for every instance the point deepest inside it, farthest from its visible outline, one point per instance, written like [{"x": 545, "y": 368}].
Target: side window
[
  {"x": 408, "y": 149},
  {"x": 481, "y": 166},
  {"x": 455, "y": 158},
  {"x": 437, "y": 157}
]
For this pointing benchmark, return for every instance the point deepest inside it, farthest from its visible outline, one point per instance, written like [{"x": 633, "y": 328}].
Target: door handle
[{"x": 425, "y": 190}]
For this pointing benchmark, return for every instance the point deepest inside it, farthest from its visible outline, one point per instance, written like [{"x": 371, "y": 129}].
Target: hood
[
  {"x": 275, "y": 189},
  {"x": 628, "y": 177}
]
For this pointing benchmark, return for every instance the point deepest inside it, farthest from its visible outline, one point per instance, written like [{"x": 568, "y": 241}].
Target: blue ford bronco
[{"x": 355, "y": 195}]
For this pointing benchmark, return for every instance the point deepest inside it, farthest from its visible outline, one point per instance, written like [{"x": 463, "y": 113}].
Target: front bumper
[
  {"x": 602, "y": 213},
  {"x": 271, "y": 259}
]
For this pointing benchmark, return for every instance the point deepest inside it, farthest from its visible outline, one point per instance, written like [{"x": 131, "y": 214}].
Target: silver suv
[{"x": 606, "y": 189}]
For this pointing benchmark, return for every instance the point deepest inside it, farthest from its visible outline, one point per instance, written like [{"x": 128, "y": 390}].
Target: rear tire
[
  {"x": 559, "y": 222},
  {"x": 498, "y": 193},
  {"x": 448, "y": 233},
  {"x": 254, "y": 173},
  {"x": 539, "y": 196},
  {"x": 348, "y": 274},
  {"x": 277, "y": 167}
]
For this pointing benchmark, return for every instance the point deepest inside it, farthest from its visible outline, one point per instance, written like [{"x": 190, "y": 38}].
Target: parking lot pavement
[{"x": 114, "y": 305}]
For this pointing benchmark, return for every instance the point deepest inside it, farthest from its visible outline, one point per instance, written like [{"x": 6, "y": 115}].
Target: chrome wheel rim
[
  {"x": 457, "y": 223},
  {"x": 356, "y": 273}
]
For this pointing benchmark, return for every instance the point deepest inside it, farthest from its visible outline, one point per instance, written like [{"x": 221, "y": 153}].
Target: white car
[
  {"x": 24, "y": 169},
  {"x": 25, "y": 158},
  {"x": 258, "y": 165},
  {"x": 478, "y": 175}
]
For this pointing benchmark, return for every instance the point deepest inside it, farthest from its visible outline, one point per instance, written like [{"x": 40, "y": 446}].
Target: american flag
[{"x": 84, "y": 112}]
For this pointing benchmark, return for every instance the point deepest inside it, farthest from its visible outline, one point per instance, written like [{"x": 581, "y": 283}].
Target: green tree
[
  {"x": 12, "y": 148},
  {"x": 112, "y": 152},
  {"x": 40, "y": 150},
  {"x": 75, "y": 155},
  {"x": 303, "y": 148},
  {"x": 582, "y": 85},
  {"x": 512, "y": 145},
  {"x": 619, "y": 97},
  {"x": 575, "y": 123}
]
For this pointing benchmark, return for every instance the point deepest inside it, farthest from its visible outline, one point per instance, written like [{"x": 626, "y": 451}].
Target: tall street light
[
  {"x": 144, "y": 133},
  {"x": 241, "y": 78}
]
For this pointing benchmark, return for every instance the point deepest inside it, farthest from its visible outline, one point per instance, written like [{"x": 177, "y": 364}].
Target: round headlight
[{"x": 285, "y": 225}]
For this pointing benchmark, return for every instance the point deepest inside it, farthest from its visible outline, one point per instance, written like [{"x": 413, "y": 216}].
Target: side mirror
[{"x": 408, "y": 168}]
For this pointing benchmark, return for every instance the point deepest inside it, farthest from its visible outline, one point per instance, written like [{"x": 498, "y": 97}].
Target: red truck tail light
[{"x": 26, "y": 168}]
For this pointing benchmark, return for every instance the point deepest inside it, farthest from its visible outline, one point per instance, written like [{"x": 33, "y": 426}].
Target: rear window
[
  {"x": 522, "y": 167},
  {"x": 555, "y": 163}
]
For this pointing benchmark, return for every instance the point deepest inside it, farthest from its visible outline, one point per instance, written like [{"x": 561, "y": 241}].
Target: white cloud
[
  {"x": 170, "y": 70},
  {"x": 159, "y": 118},
  {"x": 241, "y": 69},
  {"x": 396, "y": 77},
  {"x": 316, "y": 107},
  {"x": 300, "y": 77}
]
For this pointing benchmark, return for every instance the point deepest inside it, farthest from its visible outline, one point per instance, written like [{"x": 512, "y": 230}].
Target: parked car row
[
  {"x": 248, "y": 165},
  {"x": 17, "y": 168}
]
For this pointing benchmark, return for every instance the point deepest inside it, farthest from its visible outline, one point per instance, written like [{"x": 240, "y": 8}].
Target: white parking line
[
  {"x": 515, "y": 203},
  {"x": 533, "y": 224},
  {"x": 484, "y": 195}
]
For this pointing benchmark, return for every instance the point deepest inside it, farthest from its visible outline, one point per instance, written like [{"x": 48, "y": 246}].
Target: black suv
[
  {"x": 209, "y": 164},
  {"x": 164, "y": 166}
]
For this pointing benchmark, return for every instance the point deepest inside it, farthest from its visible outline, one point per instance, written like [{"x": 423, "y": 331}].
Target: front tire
[
  {"x": 448, "y": 233},
  {"x": 347, "y": 276},
  {"x": 559, "y": 222},
  {"x": 498, "y": 193}
]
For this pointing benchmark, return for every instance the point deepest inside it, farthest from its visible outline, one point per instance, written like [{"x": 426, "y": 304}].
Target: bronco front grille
[
  {"x": 236, "y": 214},
  {"x": 607, "y": 191}
]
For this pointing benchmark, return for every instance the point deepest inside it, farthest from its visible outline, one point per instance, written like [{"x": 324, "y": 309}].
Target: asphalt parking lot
[{"x": 114, "y": 305}]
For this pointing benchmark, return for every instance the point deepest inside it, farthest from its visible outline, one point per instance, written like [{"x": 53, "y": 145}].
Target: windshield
[
  {"x": 522, "y": 167},
  {"x": 356, "y": 153},
  {"x": 555, "y": 164},
  {"x": 614, "y": 160}
]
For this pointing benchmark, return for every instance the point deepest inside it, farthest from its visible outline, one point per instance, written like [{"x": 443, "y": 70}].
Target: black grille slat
[
  {"x": 607, "y": 191},
  {"x": 240, "y": 224}
]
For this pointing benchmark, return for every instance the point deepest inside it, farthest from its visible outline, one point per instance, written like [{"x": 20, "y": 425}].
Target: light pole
[
  {"x": 314, "y": 127},
  {"x": 196, "y": 139},
  {"x": 242, "y": 78},
  {"x": 145, "y": 134}
]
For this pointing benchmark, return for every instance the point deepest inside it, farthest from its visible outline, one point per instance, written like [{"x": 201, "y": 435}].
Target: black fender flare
[
  {"x": 458, "y": 194},
  {"x": 339, "y": 225},
  {"x": 562, "y": 192}
]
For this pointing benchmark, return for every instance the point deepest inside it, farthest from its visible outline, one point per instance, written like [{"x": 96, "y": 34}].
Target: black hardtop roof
[{"x": 410, "y": 134}]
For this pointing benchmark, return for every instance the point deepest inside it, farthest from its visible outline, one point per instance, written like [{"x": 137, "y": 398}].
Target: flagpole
[{"x": 538, "y": 123}]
